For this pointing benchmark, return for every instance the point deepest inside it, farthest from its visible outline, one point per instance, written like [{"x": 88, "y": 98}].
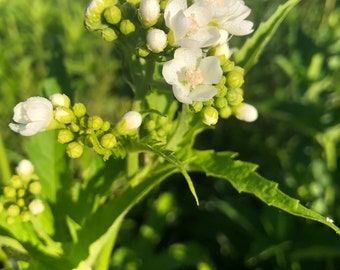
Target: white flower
[
  {"x": 25, "y": 167},
  {"x": 247, "y": 113},
  {"x": 229, "y": 16},
  {"x": 156, "y": 40},
  {"x": 36, "y": 207},
  {"x": 32, "y": 116},
  {"x": 192, "y": 76},
  {"x": 190, "y": 26},
  {"x": 149, "y": 11},
  {"x": 133, "y": 120}
]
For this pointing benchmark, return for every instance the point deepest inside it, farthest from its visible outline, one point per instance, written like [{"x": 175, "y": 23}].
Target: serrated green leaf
[
  {"x": 248, "y": 55},
  {"x": 243, "y": 178}
]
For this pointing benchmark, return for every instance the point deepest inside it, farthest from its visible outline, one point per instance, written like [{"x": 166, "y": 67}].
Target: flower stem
[{"x": 4, "y": 166}]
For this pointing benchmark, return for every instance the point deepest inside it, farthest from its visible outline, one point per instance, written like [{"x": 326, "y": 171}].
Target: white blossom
[
  {"x": 32, "y": 116},
  {"x": 60, "y": 100},
  {"x": 192, "y": 76},
  {"x": 190, "y": 25},
  {"x": 156, "y": 40},
  {"x": 247, "y": 113}
]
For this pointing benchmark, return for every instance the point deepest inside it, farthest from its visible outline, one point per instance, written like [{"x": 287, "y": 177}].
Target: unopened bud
[
  {"x": 209, "y": 116},
  {"x": 74, "y": 150},
  {"x": 106, "y": 126},
  {"x": 228, "y": 66},
  {"x": 63, "y": 115},
  {"x": 112, "y": 14},
  {"x": 17, "y": 182},
  {"x": 65, "y": 136},
  {"x": 156, "y": 40},
  {"x": 223, "y": 52},
  {"x": 126, "y": 27},
  {"x": 79, "y": 110},
  {"x": 108, "y": 34},
  {"x": 197, "y": 106},
  {"x": 108, "y": 141},
  {"x": 95, "y": 122},
  {"x": 21, "y": 202},
  {"x": 94, "y": 13},
  {"x": 131, "y": 122},
  {"x": 149, "y": 11},
  {"x": 234, "y": 79},
  {"x": 225, "y": 112},
  {"x": 34, "y": 187},
  {"x": 246, "y": 112},
  {"x": 9, "y": 192},
  {"x": 36, "y": 207},
  {"x": 25, "y": 168},
  {"x": 221, "y": 102},
  {"x": 234, "y": 97},
  {"x": 13, "y": 210},
  {"x": 60, "y": 100}
]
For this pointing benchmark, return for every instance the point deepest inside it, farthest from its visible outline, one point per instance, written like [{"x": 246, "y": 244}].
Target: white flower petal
[
  {"x": 239, "y": 28},
  {"x": 181, "y": 93},
  {"x": 172, "y": 8},
  {"x": 203, "y": 93},
  {"x": 211, "y": 70}
]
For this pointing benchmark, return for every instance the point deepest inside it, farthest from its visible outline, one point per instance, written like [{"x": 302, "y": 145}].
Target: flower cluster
[
  {"x": 21, "y": 196},
  {"x": 75, "y": 128}
]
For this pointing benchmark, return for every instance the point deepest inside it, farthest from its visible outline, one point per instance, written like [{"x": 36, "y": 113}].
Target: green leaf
[
  {"x": 243, "y": 177},
  {"x": 102, "y": 222},
  {"x": 248, "y": 55}
]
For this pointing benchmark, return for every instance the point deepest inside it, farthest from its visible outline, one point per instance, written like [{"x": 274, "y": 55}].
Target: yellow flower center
[{"x": 193, "y": 76}]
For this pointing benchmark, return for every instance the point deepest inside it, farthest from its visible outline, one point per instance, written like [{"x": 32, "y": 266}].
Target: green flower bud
[
  {"x": 225, "y": 112},
  {"x": 221, "y": 102},
  {"x": 234, "y": 97},
  {"x": 16, "y": 181},
  {"x": 171, "y": 37},
  {"x": 93, "y": 14},
  {"x": 108, "y": 34},
  {"x": 221, "y": 90},
  {"x": 228, "y": 66},
  {"x": 74, "y": 127},
  {"x": 13, "y": 210},
  {"x": 34, "y": 187},
  {"x": 161, "y": 132},
  {"x": 79, "y": 110},
  {"x": 197, "y": 106},
  {"x": 112, "y": 14},
  {"x": 65, "y": 136},
  {"x": 108, "y": 141},
  {"x": 74, "y": 150},
  {"x": 208, "y": 102},
  {"x": 21, "y": 202},
  {"x": 21, "y": 192},
  {"x": 143, "y": 51},
  {"x": 60, "y": 100},
  {"x": 83, "y": 121},
  {"x": 106, "y": 126},
  {"x": 209, "y": 116},
  {"x": 25, "y": 216},
  {"x": 63, "y": 115},
  {"x": 150, "y": 125},
  {"x": 10, "y": 192},
  {"x": 162, "y": 121},
  {"x": 95, "y": 122},
  {"x": 234, "y": 79},
  {"x": 126, "y": 27}
]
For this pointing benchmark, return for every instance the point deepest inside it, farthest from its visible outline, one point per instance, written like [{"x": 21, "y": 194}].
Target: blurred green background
[{"x": 296, "y": 88}]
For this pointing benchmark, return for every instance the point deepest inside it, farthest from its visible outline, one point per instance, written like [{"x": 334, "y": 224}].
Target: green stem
[{"x": 4, "y": 165}]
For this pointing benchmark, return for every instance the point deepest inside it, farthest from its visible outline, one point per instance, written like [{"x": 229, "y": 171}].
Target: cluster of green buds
[
  {"x": 79, "y": 129},
  {"x": 136, "y": 20},
  {"x": 20, "y": 198},
  {"x": 229, "y": 98},
  {"x": 157, "y": 127}
]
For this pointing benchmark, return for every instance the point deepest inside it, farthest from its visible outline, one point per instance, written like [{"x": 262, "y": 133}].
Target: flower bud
[
  {"x": 223, "y": 52},
  {"x": 221, "y": 90},
  {"x": 17, "y": 182},
  {"x": 149, "y": 12},
  {"x": 25, "y": 216},
  {"x": 13, "y": 210},
  {"x": 21, "y": 192},
  {"x": 25, "y": 168},
  {"x": 197, "y": 106},
  {"x": 79, "y": 110},
  {"x": 246, "y": 112},
  {"x": 21, "y": 202},
  {"x": 36, "y": 207},
  {"x": 106, "y": 126},
  {"x": 209, "y": 116},
  {"x": 108, "y": 141},
  {"x": 94, "y": 122},
  {"x": 34, "y": 187},
  {"x": 131, "y": 122},
  {"x": 60, "y": 100},
  {"x": 234, "y": 97},
  {"x": 228, "y": 66},
  {"x": 63, "y": 115},
  {"x": 143, "y": 51},
  {"x": 234, "y": 79},
  {"x": 112, "y": 14},
  {"x": 94, "y": 12},
  {"x": 108, "y": 34},
  {"x": 225, "y": 112},
  {"x": 221, "y": 102},
  {"x": 156, "y": 40},
  {"x": 65, "y": 136},
  {"x": 9, "y": 192},
  {"x": 74, "y": 150},
  {"x": 150, "y": 125},
  {"x": 126, "y": 27}
]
